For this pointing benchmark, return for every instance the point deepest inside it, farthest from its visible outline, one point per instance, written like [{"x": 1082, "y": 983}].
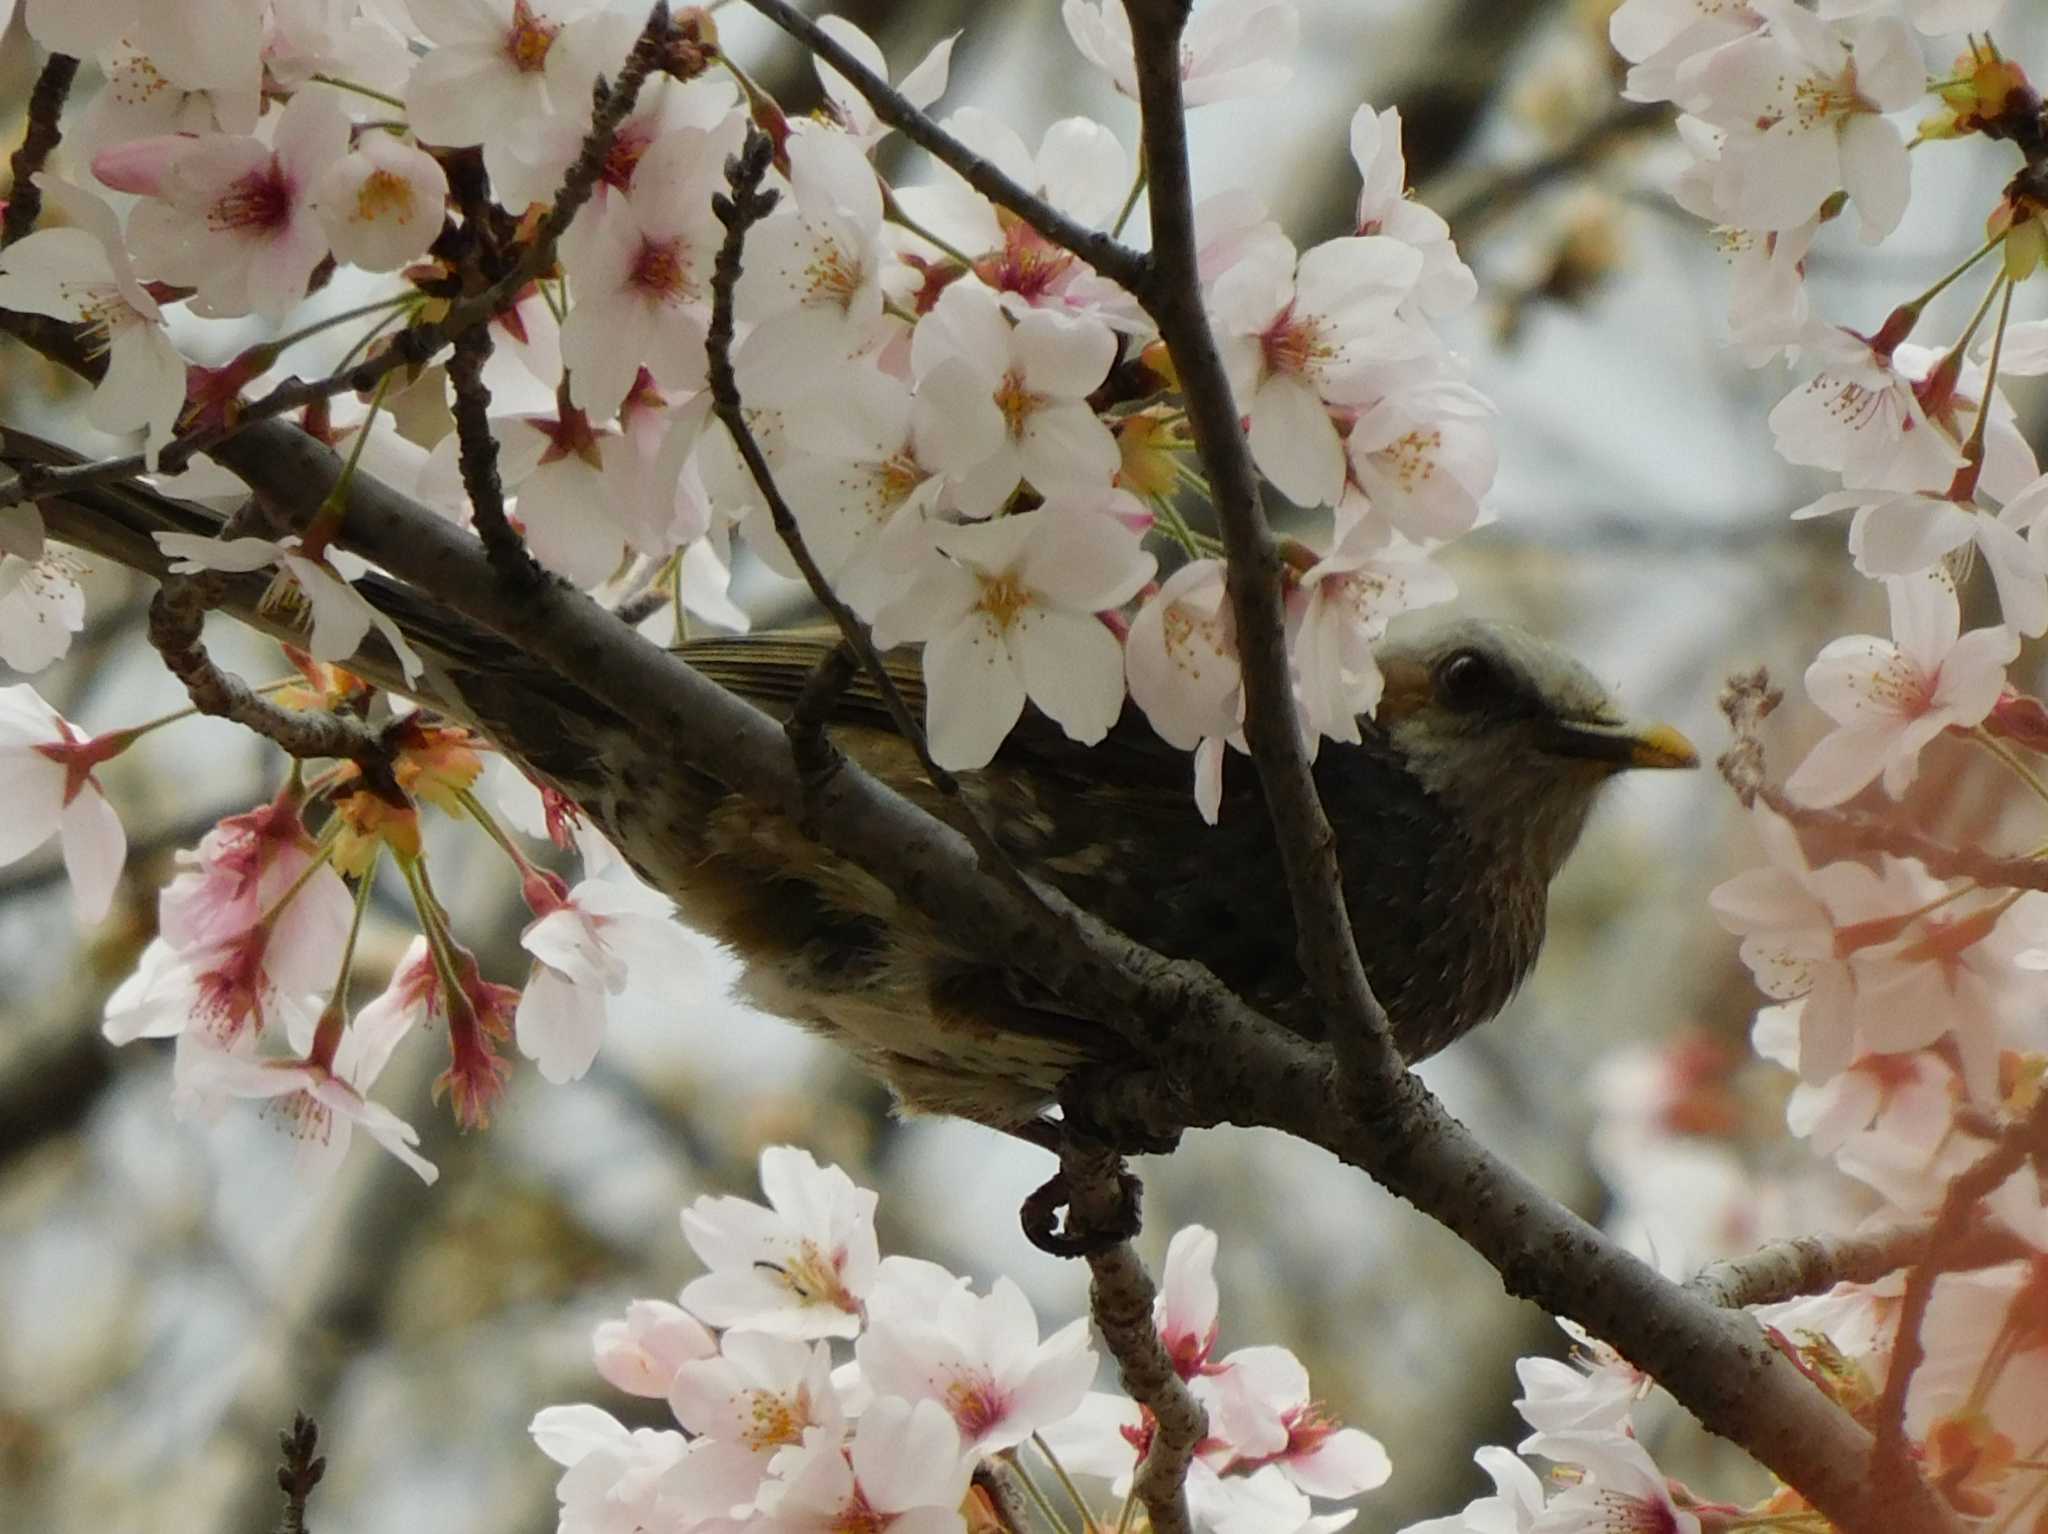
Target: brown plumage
[{"x": 1467, "y": 794}]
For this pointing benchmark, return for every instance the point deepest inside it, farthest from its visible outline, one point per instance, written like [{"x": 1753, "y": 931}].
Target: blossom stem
[
  {"x": 2024, "y": 1503},
  {"x": 135, "y": 732},
  {"x": 1914, "y": 307},
  {"x": 467, "y": 798},
  {"x": 1031, "y": 1487},
  {"x": 348, "y": 945},
  {"x": 1066, "y": 1481},
  {"x": 361, "y": 90},
  {"x": 433, "y": 925},
  {"x": 334, "y": 509},
  {"x": 322, "y": 855},
  {"x": 1973, "y": 450},
  {"x": 2005, "y": 754},
  {"x": 1137, "y": 190},
  {"x": 398, "y": 303},
  {"x": 893, "y": 210}
]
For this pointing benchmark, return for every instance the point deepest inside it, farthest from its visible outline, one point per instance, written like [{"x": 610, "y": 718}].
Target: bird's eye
[{"x": 1467, "y": 680}]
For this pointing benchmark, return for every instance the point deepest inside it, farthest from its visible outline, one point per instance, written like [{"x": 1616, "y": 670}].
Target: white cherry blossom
[
  {"x": 904, "y": 1471},
  {"x": 1230, "y": 48},
  {"x": 999, "y": 401},
  {"x": 1009, "y": 614},
  {"x": 1339, "y": 611},
  {"x": 921, "y": 87},
  {"x": 800, "y": 1268},
  {"x": 46, "y": 782},
  {"x": 82, "y": 274},
  {"x": 1298, "y": 338},
  {"x": 1803, "y": 103},
  {"x": 1666, "y": 41},
  {"x": 381, "y": 203},
  {"x": 1446, "y": 283},
  {"x": 1890, "y": 698}
]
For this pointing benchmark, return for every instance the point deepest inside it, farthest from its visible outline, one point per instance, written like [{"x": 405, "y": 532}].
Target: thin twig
[
  {"x": 1121, "y": 1298},
  {"x": 1893, "y": 1461},
  {"x": 816, "y": 757},
  {"x": 175, "y": 616},
  {"x": 1785, "y": 1270},
  {"x": 38, "y": 143},
  {"x": 300, "y": 1472},
  {"x": 747, "y": 206},
  {"x": 1108, "y": 256},
  {"x": 477, "y": 453},
  {"x": 1172, "y": 296}
]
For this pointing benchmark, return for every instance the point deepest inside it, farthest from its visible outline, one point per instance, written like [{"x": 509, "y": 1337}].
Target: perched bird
[{"x": 1470, "y": 788}]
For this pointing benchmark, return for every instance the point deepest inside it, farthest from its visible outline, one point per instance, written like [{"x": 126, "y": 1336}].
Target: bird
[{"x": 1463, "y": 798}]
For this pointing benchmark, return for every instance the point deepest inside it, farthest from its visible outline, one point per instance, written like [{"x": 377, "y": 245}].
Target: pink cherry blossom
[
  {"x": 41, "y": 604},
  {"x": 1182, "y": 667},
  {"x": 1315, "y": 1452},
  {"x": 82, "y": 274},
  {"x": 587, "y": 946},
  {"x": 978, "y": 1356},
  {"x": 801, "y": 1267},
  {"x": 233, "y": 216},
  {"x": 642, "y": 1353},
  {"x": 1420, "y": 460},
  {"x": 1298, "y": 338},
  {"x": 47, "y": 784},
  {"x": 242, "y": 869},
  {"x": 1890, "y": 698},
  {"x": 1803, "y": 103},
  {"x": 1340, "y": 610},
  {"x": 1009, "y": 614},
  {"x": 758, "y": 1400},
  {"x": 1445, "y": 284},
  {"x": 1862, "y": 417},
  {"x": 640, "y": 270},
  {"x": 1622, "y": 1488},
  {"x": 614, "y": 1481}
]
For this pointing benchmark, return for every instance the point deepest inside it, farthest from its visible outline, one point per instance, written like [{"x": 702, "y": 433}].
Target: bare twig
[
  {"x": 1120, "y": 1297},
  {"x": 1784, "y": 1270},
  {"x": 477, "y": 453},
  {"x": 38, "y": 143},
  {"x": 747, "y": 206},
  {"x": 816, "y": 757},
  {"x": 1366, "y": 1056},
  {"x": 300, "y": 1472},
  {"x": 175, "y": 616},
  {"x": 1108, "y": 256}
]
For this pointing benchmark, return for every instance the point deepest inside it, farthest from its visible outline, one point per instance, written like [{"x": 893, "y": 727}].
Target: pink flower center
[
  {"x": 1291, "y": 345},
  {"x": 259, "y": 203},
  {"x": 976, "y": 1403},
  {"x": 661, "y": 271}
]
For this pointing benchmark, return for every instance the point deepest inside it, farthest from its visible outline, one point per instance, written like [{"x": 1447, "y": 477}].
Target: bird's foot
[
  {"x": 1131, "y": 1110},
  {"x": 1093, "y": 1223}
]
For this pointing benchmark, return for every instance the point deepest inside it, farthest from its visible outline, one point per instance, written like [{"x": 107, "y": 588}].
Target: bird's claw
[{"x": 1040, "y": 1216}]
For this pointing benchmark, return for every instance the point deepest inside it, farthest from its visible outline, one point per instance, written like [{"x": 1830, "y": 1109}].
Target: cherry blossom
[
  {"x": 1315, "y": 1453},
  {"x": 241, "y": 873},
  {"x": 799, "y": 1268},
  {"x": 340, "y": 615},
  {"x": 1182, "y": 667},
  {"x": 380, "y": 205},
  {"x": 199, "y": 44},
  {"x": 613, "y": 1480},
  {"x": 1009, "y": 614},
  {"x": 1862, "y": 417},
  {"x": 1445, "y": 284},
  {"x": 41, "y": 604},
  {"x": 999, "y": 401},
  {"x": 477, "y": 1013},
  {"x": 47, "y": 784},
  {"x": 315, "y": 1106},
  {"x": 1622, "y": 1488},
  {"x": 1667, "y": 41},
  {"x": 904, "y": 1472},
  {"x": 1230, "y": 48},
  {"x": 82, "y": 274},
  {"x": 1802, "y": 103},
  {"x": 233, "y": 217},
  {"x": 1342, "y": 607},
  {"x": 1422, "y": 459},
  {"x": 921, "y": 87},
  {"x": 642, "y": 1353},
  {"x": 754, "y": 1402},
  {"x": 1890, "y": 698},
  {"x": 1300, "y": 337},
  {"x": 1936, "y": 18},
  {"x": 1908, "y": 532},
  {"x": 640, "y": 268},
  {"x": 1512, "y": 1509},
  {"x": 588, "y": 944},
  {"x": 978, "y": 1356}
]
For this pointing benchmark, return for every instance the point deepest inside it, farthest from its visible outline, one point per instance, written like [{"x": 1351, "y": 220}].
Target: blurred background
[{"x": 169, "y": 1295}]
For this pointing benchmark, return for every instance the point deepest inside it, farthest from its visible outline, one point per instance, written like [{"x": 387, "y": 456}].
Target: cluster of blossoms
[
  {"x": 1910, "y": 1001},
  {"x": 989, "y": 459},
  {"x": 920, "y": 1423}
]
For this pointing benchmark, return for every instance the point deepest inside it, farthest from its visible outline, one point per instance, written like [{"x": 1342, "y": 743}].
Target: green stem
[
  {"x": 1138, "y": 184},
  {"x": 360, "y": 90}
]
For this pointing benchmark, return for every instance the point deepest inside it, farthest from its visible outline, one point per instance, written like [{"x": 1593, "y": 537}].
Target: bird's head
[{"x": 1512, "y": 734}]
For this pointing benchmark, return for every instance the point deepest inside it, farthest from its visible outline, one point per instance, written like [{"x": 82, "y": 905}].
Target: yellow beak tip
[{"x": 1662, "y": 746}]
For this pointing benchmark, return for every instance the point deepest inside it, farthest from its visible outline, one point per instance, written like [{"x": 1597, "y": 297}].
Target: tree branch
[
  {"x": 1785, "y": 1270},
  {"x": 38, "y": 143}
]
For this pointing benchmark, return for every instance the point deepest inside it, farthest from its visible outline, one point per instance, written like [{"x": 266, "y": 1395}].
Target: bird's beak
[{"x": 1621, "y": 743}]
